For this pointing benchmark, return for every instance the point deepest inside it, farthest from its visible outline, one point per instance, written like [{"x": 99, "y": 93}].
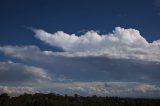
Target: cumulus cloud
[
  {"x": 121, "y": 63},
  {"x": 91, "y": 40},
  {"x": 121, "y": 43}
]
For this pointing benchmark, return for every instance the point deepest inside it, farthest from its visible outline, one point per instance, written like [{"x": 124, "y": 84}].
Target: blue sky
[
  {"x": 73, "y": 16},
  {"x": 103, "y": 47}
]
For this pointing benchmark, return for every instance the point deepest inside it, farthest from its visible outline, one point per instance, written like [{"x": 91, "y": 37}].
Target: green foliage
[{"x": 52, "y": 99}]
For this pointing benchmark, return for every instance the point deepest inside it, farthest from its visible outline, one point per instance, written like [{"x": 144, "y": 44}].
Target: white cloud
[
  {"x": 121, "y": 43},
  {"x": 147, "y": 88},
  {"x": 122, "y": 89},
  {"x": 91, "y": 40},
  {"x": 23, "y": 52},
  {"x": 17, "y": 90},
  {"x": 102, "y": 59},
  {"x": 74, "y": 67},
  {"x": 17, "y": 72}
]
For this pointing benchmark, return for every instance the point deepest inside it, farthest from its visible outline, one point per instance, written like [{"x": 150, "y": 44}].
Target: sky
[{"x": 87, "y": 47}]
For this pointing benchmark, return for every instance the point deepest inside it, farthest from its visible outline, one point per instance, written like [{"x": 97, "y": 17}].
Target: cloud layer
[
  {"x": 16, "y": 72},
  {"x": 122, "y": 89},
  {"x": 17, "y": 90},
  {"x": 102, "y": 68},
  {"x": 121, "y": 63},
  {"x": 121, "y": 43}
]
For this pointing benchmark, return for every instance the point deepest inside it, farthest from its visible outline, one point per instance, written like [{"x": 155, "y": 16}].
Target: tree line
[{"x": 52, "y": 99}]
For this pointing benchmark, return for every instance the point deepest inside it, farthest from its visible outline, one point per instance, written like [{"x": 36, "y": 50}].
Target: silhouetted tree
[{"x": 52, "y": 99}]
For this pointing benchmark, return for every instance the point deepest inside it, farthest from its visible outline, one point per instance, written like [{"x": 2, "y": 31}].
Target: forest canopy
[{"x": 52, "y": 99}]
